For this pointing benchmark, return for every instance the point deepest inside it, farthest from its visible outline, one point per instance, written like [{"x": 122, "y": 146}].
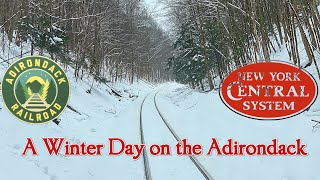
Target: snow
[
  {"x": 193, "y": 115},
  {"x": 102, "y": 116},
  {"x": 99, "y": 120},
  {"x": 156, "y": 132},
  {"x": 57, "y": 39},
  {"x": 200, "y": 117}
]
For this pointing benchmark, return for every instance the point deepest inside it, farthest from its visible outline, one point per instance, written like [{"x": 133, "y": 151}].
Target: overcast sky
[{"x": 157, "y": 10}]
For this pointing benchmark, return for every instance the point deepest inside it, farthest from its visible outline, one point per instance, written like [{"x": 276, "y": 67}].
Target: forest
[
  {"x": 114, "y": 40},
  {"x": 214, "y": 37},
  {"x": 119, "y": 40}
]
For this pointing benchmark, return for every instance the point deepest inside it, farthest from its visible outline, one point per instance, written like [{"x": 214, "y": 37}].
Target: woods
[
  {"x": 119, "y": 40},
  {"x": 114, "y": 40},
  {"x": 215, "y": 37}
]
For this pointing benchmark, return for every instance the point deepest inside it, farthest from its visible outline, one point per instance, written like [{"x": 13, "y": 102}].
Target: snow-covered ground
[
  {"x": 193, "y": 115},
  {"x": 102, "y": 116},
  {"x": 200, "y": 117}
]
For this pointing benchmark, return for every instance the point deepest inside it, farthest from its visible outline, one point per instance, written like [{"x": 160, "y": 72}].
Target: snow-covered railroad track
[
  {"x": 146, "y": 165},
  {"x": 200, "y": 167},
  {"x": 152, "y": 130}
]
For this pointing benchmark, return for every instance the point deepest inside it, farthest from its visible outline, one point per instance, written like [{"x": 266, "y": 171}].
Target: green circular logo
[{"x": 35, "y": 89}]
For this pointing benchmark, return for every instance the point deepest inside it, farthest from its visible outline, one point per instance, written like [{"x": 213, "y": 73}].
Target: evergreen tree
[
  {"x": 26, "y": 29},
  {"x": 43, "y": 35},
  {"x": 27, "y": 92},
  {"x": 51, "y": 92},
  {"x": 51, "y": 37},
  {"x": 116, "y": 40},
  {"x": 188, "y": 62},
  {"x": 217, "y": 47},
  {"x": 20, "y": 94}
]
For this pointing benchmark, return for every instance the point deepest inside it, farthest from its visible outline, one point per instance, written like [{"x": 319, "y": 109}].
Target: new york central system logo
[{"x": 35, "y": 89}]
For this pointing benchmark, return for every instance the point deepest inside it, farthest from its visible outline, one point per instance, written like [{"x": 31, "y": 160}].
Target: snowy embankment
[
  {"x": 200, "y": 117},
  {"x": 100, "y": 115},
  {"x": 195, "y": 116}
]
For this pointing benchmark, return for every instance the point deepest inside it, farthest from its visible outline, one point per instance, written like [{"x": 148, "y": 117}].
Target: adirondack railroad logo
[{"x": 35, "y": 89}]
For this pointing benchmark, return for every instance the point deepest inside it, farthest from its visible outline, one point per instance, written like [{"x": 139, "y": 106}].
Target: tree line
[
  {"x": 213, "y": 37},
  {"x": 113, "y": 40}
]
